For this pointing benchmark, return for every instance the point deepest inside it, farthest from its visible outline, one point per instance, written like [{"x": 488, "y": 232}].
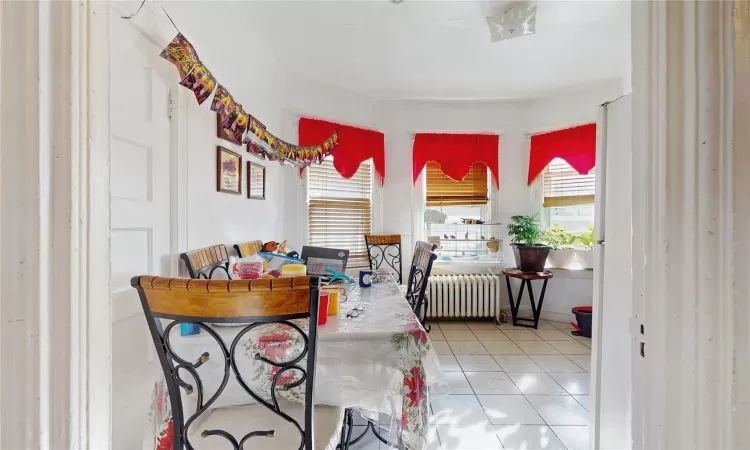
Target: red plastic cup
[{"x": 323, "y": 307}]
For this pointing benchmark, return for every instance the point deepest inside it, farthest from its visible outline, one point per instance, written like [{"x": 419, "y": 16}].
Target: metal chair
[
  {"x": 249, "y": 248},
  {"x": 175, "y": 301},
  {"x": 202, "y": 263},
  {"x": 384, "y": 249},
  {"x": 419, "y": 273}
]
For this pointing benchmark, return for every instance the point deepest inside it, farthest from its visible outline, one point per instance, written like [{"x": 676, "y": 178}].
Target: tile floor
[{"x": 511, "y": 388}]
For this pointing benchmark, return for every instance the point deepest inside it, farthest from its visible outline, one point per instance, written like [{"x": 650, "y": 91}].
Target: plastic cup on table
[
  {"x": 323, "y": 307},
  {"x": 333, "y": 300}
]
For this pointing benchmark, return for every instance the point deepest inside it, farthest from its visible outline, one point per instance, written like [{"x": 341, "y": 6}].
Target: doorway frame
[
  {"x": 691, "y": 225},
  {"x": 54, "y": 204}
]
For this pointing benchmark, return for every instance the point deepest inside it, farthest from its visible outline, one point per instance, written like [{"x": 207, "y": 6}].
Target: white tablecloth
[{"x": 380, "y": 362}]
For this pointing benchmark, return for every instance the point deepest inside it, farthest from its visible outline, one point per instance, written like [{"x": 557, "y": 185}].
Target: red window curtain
[
  {"x": 356, "y": 145},
  {"x": 577, "y": 146},
  {"x": 455, "y": 153}
]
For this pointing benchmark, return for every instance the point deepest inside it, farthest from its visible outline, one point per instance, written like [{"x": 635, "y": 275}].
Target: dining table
[{"x": 374, "y": 356}]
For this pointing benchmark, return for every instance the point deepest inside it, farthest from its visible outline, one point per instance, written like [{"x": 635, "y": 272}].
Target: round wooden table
[{"x": 526, "y": 278}]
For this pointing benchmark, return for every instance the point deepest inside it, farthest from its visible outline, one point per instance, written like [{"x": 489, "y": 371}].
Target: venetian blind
[
  {"x": 340, "y": 210},
  {"x": 444, "y": 191},
  {"x": 563, "y": 186}
]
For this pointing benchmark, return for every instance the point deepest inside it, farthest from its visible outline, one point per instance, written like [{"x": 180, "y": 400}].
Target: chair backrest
[
  {"x": 249, "y": 248},
  {"x": 419, "y": 272},
  {"x": 250, "y": 302},
  {"x": 384, "y": 249},
  {"x": 202, "y": 263}
]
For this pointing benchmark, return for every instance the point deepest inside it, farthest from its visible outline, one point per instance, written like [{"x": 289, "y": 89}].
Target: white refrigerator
[{"x": 612, "y": 341}]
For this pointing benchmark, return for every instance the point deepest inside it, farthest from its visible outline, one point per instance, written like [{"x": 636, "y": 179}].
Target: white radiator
[{"x": 463, "y": 296}]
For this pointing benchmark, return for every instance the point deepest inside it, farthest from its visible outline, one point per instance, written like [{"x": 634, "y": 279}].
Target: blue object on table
[
  {"x": 189, "y": 329},
  {"x": 365, "y": 278},
  {"x": 338, "y": 276}
]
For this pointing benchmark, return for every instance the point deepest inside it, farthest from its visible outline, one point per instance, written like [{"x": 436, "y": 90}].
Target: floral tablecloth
[{"x": 381, "y": 362}]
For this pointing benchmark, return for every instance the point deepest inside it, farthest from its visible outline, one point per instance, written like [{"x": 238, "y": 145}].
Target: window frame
[
  {"x": 376, "y": 195},
  {"x": 545, "y": 211},
  {"x": 486, "y": 209}
]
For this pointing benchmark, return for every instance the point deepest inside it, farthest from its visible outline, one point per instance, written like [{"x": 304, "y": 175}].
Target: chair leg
[
  {"x": 346, "y": 431},
  {"x": 427, "y": 328},
  {"x": 342, "y": 439}
]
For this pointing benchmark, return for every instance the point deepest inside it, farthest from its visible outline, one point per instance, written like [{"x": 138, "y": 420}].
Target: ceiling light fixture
[
  {"x": 512, "y": 19},
  {"x": 396, "y": 1}
]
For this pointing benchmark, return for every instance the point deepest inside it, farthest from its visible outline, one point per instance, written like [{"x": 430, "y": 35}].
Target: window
[
  {"x": 568, "y": 196},
  {"x": 466, "y": 199},
  {"x": 340, "y": 209},
  {"x": 444, "y": 191}
]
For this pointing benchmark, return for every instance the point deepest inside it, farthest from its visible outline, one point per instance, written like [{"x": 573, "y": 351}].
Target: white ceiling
[{"x": 435, "y": 49}]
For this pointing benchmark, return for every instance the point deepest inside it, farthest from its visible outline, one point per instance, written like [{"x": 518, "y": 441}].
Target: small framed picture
[
  {"x": 228, "y": 171},
  {"x": 256, "y": 181},
  {"x": 225, "y": 133}
]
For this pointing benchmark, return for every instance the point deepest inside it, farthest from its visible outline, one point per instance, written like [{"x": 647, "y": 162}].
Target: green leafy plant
[
  {"x": 558, "y": 237},
  {"x": 525, "y": 230},
  {"x": 587, "y": 238}
]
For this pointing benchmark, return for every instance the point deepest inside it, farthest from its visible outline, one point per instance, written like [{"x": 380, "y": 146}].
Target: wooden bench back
[
  {"x": 245, "y": 249},
  {"x": 204, "y": 261}
]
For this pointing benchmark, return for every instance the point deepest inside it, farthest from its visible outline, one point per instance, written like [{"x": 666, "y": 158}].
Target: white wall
[
  {"x": 513, "y": 121},
  {"x": 219, "y": 218},
  {"x": 283, "y": 215},
  {"x": 302, "y": 99}
]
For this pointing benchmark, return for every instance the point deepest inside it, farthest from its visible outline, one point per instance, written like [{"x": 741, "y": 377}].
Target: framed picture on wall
[
  {"x": 256, "y": 181},
  {"x": 225, "y": 133},
  {"x": 228, "y": 171}
]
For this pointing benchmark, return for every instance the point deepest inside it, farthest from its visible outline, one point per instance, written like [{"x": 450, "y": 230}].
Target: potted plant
[
  {"x": 560, "y": 240},
  {"x": 527, "y": 245},
  {"x": 586, "y": 255}
]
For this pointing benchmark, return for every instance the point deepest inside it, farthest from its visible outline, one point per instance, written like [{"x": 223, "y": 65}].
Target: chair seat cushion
[{"x": 240, "y": 420}]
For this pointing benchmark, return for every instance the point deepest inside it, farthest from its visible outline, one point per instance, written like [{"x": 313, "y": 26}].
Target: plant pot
[
  {"x": 530, "y": 258},
  {"x": 585, "y": 258},
  {"x": 561, "y": 259}
]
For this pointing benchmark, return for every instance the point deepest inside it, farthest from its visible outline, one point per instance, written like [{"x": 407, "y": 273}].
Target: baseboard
[
  {"x": 559, "y": 317},
  {"x": 546, "y": 315}
]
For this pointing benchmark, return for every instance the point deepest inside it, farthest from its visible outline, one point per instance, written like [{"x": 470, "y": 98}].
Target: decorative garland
[{"x": 195, "y": 76}]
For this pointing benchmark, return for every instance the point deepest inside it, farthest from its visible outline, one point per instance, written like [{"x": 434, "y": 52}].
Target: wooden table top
[{"x": 516, "y": 273}]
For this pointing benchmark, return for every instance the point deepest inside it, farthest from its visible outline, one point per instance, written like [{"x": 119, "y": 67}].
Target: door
[
  {"x": 614, "y": 342},
  {"x": 140, "y": 214}
]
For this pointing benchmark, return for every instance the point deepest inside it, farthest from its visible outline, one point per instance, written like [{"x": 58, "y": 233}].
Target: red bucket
[{"x": 583, "y": 317}]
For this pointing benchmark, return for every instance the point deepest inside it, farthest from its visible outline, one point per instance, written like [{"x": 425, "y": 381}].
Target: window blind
[
  {"x": 563, "y": 186},
  {"x": 444, "y": 191},
  {"x": 340, "y": 210}
]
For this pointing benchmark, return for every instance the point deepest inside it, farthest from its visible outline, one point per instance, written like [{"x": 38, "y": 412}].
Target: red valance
[
  {"x": 455, "y": 153},
  {"x": 577, "y": 146},
  {"x": 356, "y": 145}
]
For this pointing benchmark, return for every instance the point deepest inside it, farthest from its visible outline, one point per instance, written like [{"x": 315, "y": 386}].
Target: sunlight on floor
[{"x": 511, "y": 388}]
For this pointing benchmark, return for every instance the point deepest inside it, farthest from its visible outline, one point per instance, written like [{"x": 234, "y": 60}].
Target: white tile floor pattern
[{"x": 511, "y": 388}]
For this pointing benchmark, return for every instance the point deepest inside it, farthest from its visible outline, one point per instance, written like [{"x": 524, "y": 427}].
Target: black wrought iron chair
[
  {"x": 249, "y": 248},
  {"x": 419, "y": 273},
  {"x": 384, "y": 250},
  {"x": 256, "y": 303},
  {"x": 204, "y": 262}
]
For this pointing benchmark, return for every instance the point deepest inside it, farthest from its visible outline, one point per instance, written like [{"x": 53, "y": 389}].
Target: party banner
[
  {"x": 233, "y": 119},
  {"x": 181, "y": 53},
  {"x": 200, "y": 81},
  {"x": 223, "y": 102}
]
